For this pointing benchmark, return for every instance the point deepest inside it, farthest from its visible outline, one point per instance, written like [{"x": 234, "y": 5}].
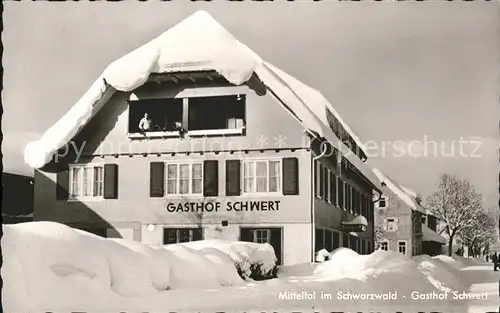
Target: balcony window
[
  {"x": 216, "y": 113},
  {"x": 165, "y": 115}
]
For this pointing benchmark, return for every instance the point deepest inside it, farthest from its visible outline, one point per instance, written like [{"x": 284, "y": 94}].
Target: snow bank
[
  {"x": 443, "y": 275},
  {"x": 451, "y": 261},
  {"x": 251, "y": 260},
  {"x": 52, "y": 264}
]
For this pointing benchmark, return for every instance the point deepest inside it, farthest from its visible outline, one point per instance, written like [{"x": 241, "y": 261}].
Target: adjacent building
[
  {"x": 232, "y": 153},
  {"x": 17, "y": 198},
  {"x": 400, "y": 218}
]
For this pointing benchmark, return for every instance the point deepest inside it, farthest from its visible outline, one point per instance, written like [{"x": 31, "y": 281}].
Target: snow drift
[
  {"x": 196, "y": 44},
  {"x": 50, "y": 263}
]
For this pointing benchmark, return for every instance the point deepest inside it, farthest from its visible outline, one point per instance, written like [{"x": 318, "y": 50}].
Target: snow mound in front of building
[
  {"x": 443, "y": 275},
  {"x": 56, "y": 266}
]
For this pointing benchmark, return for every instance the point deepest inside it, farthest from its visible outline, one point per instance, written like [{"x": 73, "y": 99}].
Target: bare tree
[
  {"x": 479, "y": 233},
  {"x": 379, "y": 227},
  {"x": 456, "y": 204}
]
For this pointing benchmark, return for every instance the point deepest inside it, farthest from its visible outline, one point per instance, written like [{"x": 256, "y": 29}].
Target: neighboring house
[
  {"x": 17, "y": 198},
  {"x": 432, "y": 242},
  {"x": 225, "y": 159},
  {"x": 400, "y": 216}
]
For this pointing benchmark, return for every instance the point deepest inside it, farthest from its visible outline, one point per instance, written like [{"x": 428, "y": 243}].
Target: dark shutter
[
  {"x": 316, "y": 173},
  {"x": 290, "y": 176},
  {"x": 332, "y": 188},
  {"x": 197, "y": 234},
  {"x": 276, "y": 243},
  {"x": 157, "y": 179},
  {"x": 233, "y": 178},
  {"x": 211, "y": 178},
  {"x": 319, "y": 242},
  {"x": 246, "y": 234},
  {"x": 110, "y": 181},
  {"x": 62, "y": 184}
]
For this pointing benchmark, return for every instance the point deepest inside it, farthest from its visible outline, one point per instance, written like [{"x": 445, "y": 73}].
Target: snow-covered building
[
  {"x": 230, "y": 152},
  {"x": 432, "y": 242},
  {"x": 399, "y": 214}
]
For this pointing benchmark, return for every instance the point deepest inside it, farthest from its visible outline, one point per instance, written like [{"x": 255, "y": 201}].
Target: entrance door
[{"x": 273, "y": 236}]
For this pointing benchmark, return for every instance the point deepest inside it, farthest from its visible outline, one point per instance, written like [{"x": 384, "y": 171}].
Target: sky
[{"x": 412, "y": 80}]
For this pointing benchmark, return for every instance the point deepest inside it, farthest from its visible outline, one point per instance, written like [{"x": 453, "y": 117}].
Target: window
[
  {"x": 384, "y": 245},
  {"x": 382, "y": 203},
  {"x": 402, "y": 247},
  {"x": 326, "y": 239},
  {"x": 87, "y": 181},
  {"x": 226, "y": 112},
  {"x": 165, "y": 114},
  {"x": 391, "y": 224},
  {"x": 334, "y": 188},
  {"x": 179, "y": 235},
  {"x": 424, "y": 219},
  {"x": 184, "y": 178},
  {"x": 261, "y": 176},
  {"x": 262, "y": 236},
  {"x": 340, "y": 187}
]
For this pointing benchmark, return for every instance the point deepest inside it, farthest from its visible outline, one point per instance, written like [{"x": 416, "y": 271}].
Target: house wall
[
  {"x": 136, "y": 215},
  {"x": 397, "y": 209}
]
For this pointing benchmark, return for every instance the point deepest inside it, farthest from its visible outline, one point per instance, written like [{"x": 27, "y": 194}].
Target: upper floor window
[
  {"x": 86, "y": 181},
  {"x": 382, "y": 203},
  {"x": 160, "y": 116},
  {"x": 261, "y": 176},
  {"x": 225, "y": 112},
  {"x": 184, "y": 178},
  {"x": 391, "y": 224}
]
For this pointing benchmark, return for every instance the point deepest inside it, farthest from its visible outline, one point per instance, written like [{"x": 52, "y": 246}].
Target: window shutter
[
  {"x": 316, "y": 178},
  {"x": 233, "y": 178},
  {"x": 333, "y": 188},
  {"x": 290, "y": 176},
  {"x": 396, "y": 222},
  {"x": 156, "y": 179},
  {"x": 385, "y": 224},
  {"x": 62, "y": 184},
  {"x": 211, "y": 178},
  {"x": 110, "y": 181}
]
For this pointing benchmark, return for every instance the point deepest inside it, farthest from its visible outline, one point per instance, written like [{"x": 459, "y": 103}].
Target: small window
[
  {"x": 382, "y": 203},
  {"x": 402, "y": 247},
  {"x": 180, "y": 235},
  {"x": 384, "y": 246},
  {"x": 184, "y": 178},
  {"x": 391, "y": 224},
  {"x": 86, "y": 181},
  {"x": 261, "y": 176}
]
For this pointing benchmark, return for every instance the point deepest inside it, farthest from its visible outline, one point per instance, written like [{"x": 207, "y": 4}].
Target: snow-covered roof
[
  {"x": 398, "y": 191},
  {"x": 198, "y": 43},
  {"x": 430, "y": 235}
]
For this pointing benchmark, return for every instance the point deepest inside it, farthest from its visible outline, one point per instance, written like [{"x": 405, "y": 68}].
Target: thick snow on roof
[
  {"x": 394, "y": 187},
  {"x": 430, "y": 235},
  {"x": 197, "y": 43}
]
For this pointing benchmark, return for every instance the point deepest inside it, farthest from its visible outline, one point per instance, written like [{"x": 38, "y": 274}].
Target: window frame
[
  {"x": 405, "y": 246},
  {"x": 386, "y": 200},
  {"x": 386, "y": 242},
  {"x": 261, "y": 193},
  {"x": 178, "y": 164},
  {"x": 256, "y": 237},
  {"x": 81, "y": 166},
  {"x": 387, "y": 224}
]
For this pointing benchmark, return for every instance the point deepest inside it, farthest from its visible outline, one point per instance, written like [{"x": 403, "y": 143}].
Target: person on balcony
[{"x": 145, "y": 124}]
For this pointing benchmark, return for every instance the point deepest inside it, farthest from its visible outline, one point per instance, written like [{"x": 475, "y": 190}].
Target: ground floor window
[
  {"x": 384, "y": 245},
  {"x": 326, "y": 239},
  {"x": 402, "y": 247},
  {"x": 179, "y": 235},
  {"x": 345, "y": 240},
  {"x": 354, "y": 243},
  {"x": 272, "y": 236}
]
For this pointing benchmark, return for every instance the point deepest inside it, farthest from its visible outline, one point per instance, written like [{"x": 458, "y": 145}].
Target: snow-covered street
[{"x": 482, "y": 279}]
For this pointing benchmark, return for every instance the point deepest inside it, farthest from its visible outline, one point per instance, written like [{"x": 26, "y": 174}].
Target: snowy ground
[{"x": 51, "y": 267}]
